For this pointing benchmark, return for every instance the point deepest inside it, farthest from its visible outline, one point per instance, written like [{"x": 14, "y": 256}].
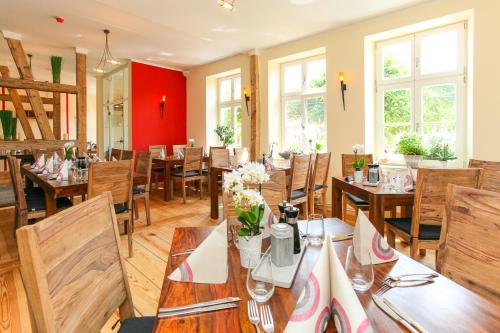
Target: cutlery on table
[
  {"x": 413, "y": 277},
  {"x": 379, "y": 300},
  {"x": 342, "y": 237},
  {"x": 200, "y": 305},
  {"x": 188, "y": 251},
  {"x": 253, "y": 314},
  {"x": 403, "y": 315},
  {"x": 267, "y": 319},
  {"x": 198, "y": 310}
]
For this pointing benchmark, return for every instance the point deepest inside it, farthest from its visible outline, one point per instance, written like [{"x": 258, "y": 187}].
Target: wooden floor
[{"x": 145, "y": 270}]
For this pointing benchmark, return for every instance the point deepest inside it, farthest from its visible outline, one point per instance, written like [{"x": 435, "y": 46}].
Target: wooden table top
[
  {"x": 173, "y": 159},
  {"x": 439, "y": 307},
  {"x": 374, "y": 190}
]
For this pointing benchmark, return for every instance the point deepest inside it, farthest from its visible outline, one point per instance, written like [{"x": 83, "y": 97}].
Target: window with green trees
[{"x": 229, "y": 105}]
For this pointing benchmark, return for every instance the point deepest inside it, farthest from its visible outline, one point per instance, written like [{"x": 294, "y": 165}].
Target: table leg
[
  {"x": 377, "y": 213},
  {"x": 167, "y": 184},
  {"x": 336, "y": 201},
  {"x": 214, "y": 194},
  {"x": 28, "y": 182},
  {"x": 50, "y": 203}
]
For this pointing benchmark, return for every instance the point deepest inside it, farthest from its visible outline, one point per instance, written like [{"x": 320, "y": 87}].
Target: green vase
[{"x": 6, "y": 117}]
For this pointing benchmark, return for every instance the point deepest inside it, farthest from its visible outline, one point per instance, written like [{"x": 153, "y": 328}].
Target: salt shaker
[{"x": 281, "y": 244}]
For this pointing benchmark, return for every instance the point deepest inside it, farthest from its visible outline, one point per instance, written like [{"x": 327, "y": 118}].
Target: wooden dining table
[
  {"x": 442, "y": 306},
  {"x": 379, "y": 198},
  {"x": 54, "y": 189}
]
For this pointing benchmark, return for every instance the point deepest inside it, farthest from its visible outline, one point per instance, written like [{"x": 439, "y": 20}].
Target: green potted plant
[
  {"x": 56, "y": 64},
  {"x": 412, "y": 148},
  {"x": 358, "y": 164},
  {"x": 225, "y": 134},
  {"x": 8, "y": 124},
  {"x": 440, "y": 151}
]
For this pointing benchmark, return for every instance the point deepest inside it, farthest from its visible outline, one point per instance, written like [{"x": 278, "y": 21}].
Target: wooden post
[
  {"x": 56, "y": 115},
  {"x": 18, "y": 106},
  {"x": 25, "y": 72},
  {"x": 81, "y": 100},
  {"x": 254, "y": 108}
]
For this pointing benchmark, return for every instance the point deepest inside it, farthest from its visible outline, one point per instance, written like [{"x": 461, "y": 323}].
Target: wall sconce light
[
  {"x": 162, "y": 107},
  {"x": 343, "y": 87},
  {"x": 247, "y": 99}
]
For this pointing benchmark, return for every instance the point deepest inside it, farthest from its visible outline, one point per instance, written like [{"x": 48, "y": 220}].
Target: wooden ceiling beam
[
  {"x": 37, "y": 85},
  {"x": 24, "y": 99},
  {"x": 33, "y": 144},
  {"x": 254, "y": 108}
]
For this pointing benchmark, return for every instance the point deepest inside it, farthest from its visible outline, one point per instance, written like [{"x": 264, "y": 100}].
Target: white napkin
[
  {"x": 49, "y": 166},
  {"x": 328, "y": 292},
  {"x": 62, "y": 172},
  {"x": 208, "y": 263},
  {"x": 366, "y": 237},
  {"x": 57, "y": 159},
  {"x": 267, "y": 220},
  {"x": 162, "y": 153},
  {"x": 40, "y": 162},
  {"x": 113, "y": 159}
]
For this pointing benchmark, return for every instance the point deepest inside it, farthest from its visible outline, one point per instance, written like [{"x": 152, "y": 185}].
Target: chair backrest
[
  {"x": 468, "y": 251},
  {"x": 116, "y": 153},
  {"x": 116, "y": 177},
  {"x": 219, "y": 157},
  {"x": 274, "y": 191},
  {"x": 73, "y": 268},
  {"x": 241, "y": 155},
  {"x": 319, "y": 175},
  {"x": 176, "y": 149},
  {"x": 349, "y": 159},
  {"x": 155, "y": 150},
  {"x": 491, "y": 174},
  {"x": 193, "y": 159},
  {"x": 144, "y": 163},
  {"x": 300, "y": 171},
  {"x": 128, "y": 154},
  {"x": 430, "y": 193},
  {"x": 18, "y": 187}
]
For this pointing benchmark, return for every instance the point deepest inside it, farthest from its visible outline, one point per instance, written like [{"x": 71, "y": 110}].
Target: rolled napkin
[
  {"x": 208, "y": 263},
  {"x": 368, "y": 238},
  {"x": 39, "y": 163},
  {"x": 267, "y": 220},
  {"x": 328, "y": 292}
]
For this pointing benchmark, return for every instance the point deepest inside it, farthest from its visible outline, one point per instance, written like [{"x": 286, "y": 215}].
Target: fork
[
  {"x": 389, "y": 284},
  {"x": 267, "y": 319},
  {"x": 412, "y": 277},
  {"x": 253, "y": 314}
]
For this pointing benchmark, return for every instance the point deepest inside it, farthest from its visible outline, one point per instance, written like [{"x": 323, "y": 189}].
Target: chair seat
[
  {"x": 297, "y": 195},
  {"x": 158, "y": 169},
  {"x": 137, "y": 190},
  {"x": 120, "y": 208},
  {"x": 204, "y": 171},
  {"x": 318, "y": 187},
  {"x": 35, "y": 200},
  {"x": 426, "y": 232},
  {"x": 357, "y": 201},
  {"x": 137, "y": 325},
  {"x": 188, "y": 174}
]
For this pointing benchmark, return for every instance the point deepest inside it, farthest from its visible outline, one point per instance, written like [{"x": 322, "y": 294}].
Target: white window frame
[
  {"x": 302, "y": 95},
  {"x": 416, "y": 81},
  {"x": 233, "y": 103}
]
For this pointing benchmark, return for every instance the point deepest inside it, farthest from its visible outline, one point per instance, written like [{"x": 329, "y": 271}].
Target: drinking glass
[
  {"x": 261, "y": 291},
  {"x": 315, "y": 229},
  {"x": 360, "y": 273}
]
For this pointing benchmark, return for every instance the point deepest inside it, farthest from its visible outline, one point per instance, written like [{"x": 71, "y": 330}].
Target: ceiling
[{"x": 173, "y": 33}]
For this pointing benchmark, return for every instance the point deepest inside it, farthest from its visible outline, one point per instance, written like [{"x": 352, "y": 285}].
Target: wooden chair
[
  {"x": 491, "y": 174},
  {"x": 176, "y": 149},
  {"x": 144, "y": 162},
  {"x": 468, "y": 251},
  {"x": 74, "y": 272},
  {"x": 191, "y": 170},
  {"x": 319, "y": 180},
  {"x": 422, "y": 230},
  {"x": 219, "y": 157},
  {"x": 30, "y": 202},
  {"x": 274, "y": 191},
  {"x": 299, "y": 182},
  {"x": 116, "y": 153},
  {"x": 116, "y": 177},
  {"x": 347, "y": 170},
  {"x": 128, "y": 155},
  {"x": 157, "y": 170}
]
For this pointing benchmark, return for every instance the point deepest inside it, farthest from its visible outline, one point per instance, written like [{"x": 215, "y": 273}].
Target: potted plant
[
  {"x": 8, "y": 124},
  {"x": 56, "y": 64},
  {"x": 412, "y": 148},
  {"x": 440, "y": 151},
  {"x": 249, "y": 205},
  {"x": 225, "y": 134},
  {"x": 358, "y": 164}
]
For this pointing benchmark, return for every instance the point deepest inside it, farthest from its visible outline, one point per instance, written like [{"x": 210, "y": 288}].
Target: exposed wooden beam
[
  {"x": 24, "y": 99},
  {"x": 18, "y": 106},
  {"x": 81, "y": 102},
  {"x": 33, "y": 144},
  {"x": 254, "y": 108},
  {"x": 56, "y": 115},
  {"x": 38, "y": 85},
  {"x": 17, "y": 51}
]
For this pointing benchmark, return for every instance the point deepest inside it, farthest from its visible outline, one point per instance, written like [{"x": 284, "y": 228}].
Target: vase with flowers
[
  {"x": 358, "y": 163},
  {"x": 244, "y": 184}
]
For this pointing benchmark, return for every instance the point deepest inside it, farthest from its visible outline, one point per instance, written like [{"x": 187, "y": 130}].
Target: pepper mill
[
  {"x": 282, "y": 206},
  {"x": 292, "y": 214}
]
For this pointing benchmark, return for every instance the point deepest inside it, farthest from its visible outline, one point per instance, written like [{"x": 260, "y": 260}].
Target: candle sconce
[
  {"x": 162, "y": 107},
  {"x": 343, "y": 87},
  {"x": 247, "y": 99}
]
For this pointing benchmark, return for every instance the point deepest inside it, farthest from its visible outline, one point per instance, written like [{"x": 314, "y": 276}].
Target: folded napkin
[
  {"x": 267, "y": 220},
  {"x": 57, "y": 159},
  {"x": 366, "y": 237},
  {"x": 208, "y": 263},
  {"x": 162, "y": 153},
  {"x": 328, "y": 292},
  {"x": 48, "y": 169},
  {"x": 113, "y": 159},
  {"x": 39, "y": 163},
  {"x": 62, "y": 172}
]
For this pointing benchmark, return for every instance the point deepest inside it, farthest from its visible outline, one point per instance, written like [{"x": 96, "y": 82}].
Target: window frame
[{"x": 234, "y": 102}]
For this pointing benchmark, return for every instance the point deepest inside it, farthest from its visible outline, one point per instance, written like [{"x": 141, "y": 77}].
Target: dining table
[
  {"x": 379, "y": 197},
  {"x": 441, "y": 306},
  {"x": 54, "y": 189}
]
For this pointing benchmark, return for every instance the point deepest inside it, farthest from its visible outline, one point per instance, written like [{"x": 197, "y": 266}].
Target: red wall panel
[{"x": 149, "y": 85}]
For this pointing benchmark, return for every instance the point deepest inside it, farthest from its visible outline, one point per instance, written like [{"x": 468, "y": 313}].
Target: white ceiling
[{"x": 173, "y": 33}]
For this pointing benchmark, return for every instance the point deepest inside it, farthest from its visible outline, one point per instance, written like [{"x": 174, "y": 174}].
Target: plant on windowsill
[
  {"x": 412, "y": 148},
  {"x": 225, "y": 134},
  {"x": 358, "y": 164},
  {"x": 440, "y": 151}
]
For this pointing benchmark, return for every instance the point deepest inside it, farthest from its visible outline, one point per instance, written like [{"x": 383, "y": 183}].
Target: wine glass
[
  {"x": 359, "y": 270},
  {"x": 261, "y": 291}
]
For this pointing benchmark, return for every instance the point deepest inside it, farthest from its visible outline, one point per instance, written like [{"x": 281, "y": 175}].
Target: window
[
  {"x": 304, "y": 104},
  {"x": 421, "y": 88},
  {"x": 229, "y": 105}
]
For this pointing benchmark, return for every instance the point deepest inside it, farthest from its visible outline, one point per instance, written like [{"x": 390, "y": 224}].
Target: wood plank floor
[{"x": 145, "y": 270}]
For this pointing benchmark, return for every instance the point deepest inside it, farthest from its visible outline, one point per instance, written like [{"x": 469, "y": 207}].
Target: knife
[
  {"x": 404, "y": 316},
  {"x": 342, "y": 237},
  {"x": 380, "y": 303},
  {"x": 198, "y": 310},
  {"x": 200, "y": 305}
]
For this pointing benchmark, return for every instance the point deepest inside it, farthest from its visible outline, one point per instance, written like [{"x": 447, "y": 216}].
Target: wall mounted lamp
[
  {"x": 162, "y": 107},
  {"x": 343, "y": 87},
  {"x": 247, "y": 99}
]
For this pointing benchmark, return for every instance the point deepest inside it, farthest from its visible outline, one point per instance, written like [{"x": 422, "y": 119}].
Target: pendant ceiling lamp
[
  {"x": 227, "y": 4},
  {"x": 106, "y": 57}
]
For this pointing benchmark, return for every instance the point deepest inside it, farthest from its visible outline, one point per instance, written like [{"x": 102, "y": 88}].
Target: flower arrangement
[
  {"x": 191, "y": 143},
  {"x": 225, "y": 134},
  {"x": 358, "y": 164},
  {"x": 248, "y": 201},
  {"x": 440, "y": 152},
  {"x": 411, "y": 144},
  {"x": 69, "y": 150}
]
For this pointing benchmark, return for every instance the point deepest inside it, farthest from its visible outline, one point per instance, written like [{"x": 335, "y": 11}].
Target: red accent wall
[{"x": 149, "y": 84}]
